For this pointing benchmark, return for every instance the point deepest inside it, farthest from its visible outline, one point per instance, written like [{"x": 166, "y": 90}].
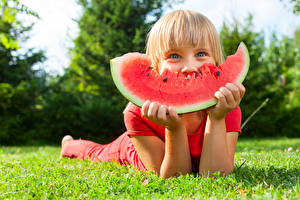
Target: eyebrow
[{"x": 170, "y": 51}]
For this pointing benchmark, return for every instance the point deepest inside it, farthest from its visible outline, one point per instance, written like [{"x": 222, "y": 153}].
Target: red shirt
[
  {"x": 136, "y": 124},
  {"x": 122, "y": 149}
]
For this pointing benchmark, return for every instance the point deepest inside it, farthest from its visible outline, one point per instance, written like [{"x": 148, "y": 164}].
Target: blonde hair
[{"x": 182, "y": 27}]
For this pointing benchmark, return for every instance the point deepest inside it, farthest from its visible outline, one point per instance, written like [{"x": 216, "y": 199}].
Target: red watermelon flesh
[{"x": 187, "y": 92}]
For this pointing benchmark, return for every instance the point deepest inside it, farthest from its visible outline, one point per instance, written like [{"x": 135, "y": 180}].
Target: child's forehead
[{"x": 205, "y": 45}]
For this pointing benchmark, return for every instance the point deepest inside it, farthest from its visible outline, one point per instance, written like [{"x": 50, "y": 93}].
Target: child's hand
[
  {"x": 162, "y": 115},
  {"x": 229, "y": 97}
]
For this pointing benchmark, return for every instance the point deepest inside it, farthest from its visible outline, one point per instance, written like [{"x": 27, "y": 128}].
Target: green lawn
[{"x": 264, "y": 169}]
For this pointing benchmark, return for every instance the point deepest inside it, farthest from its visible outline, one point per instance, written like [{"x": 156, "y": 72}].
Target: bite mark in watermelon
[{"x": 137, "y": 81}]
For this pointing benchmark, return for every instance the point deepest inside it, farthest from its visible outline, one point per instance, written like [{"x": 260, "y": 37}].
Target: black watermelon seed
[
  {"x": 150, "y": 67},
  {"x": 147, "y": 74},
  {"x": 200, "y": 72},
  {"x": 218, "y": 73},
  {"x": 165, "y": 79}
]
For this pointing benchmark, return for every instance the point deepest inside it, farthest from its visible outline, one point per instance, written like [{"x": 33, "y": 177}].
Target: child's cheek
[{"x": 174, "y": 67}]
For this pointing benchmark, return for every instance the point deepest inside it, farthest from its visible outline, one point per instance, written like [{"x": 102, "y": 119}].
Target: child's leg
[
  {"x": 120, "y": 150},
  {"x": 79, "y": 149}
]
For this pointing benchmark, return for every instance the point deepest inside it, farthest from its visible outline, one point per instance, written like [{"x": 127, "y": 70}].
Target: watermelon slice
[{"x": 137, "y": 81}]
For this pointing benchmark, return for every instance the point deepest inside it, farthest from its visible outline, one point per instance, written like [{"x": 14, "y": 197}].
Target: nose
[
  {"x": 190, "y": 65},
  {"x": 188, "y": 68}
]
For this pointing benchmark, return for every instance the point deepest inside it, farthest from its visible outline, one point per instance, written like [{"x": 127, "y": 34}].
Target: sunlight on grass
[{"x": 264, "y": 169}]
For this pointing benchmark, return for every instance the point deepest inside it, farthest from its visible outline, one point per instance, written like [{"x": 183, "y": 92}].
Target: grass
[{"x": 264, "y": 169}]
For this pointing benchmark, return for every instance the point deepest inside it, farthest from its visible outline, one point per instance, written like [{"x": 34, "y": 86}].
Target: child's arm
[
  {"x": 168, "y": 159},
  {"x": 151, "y": 151},
  {"x": 219, "y": 146}
]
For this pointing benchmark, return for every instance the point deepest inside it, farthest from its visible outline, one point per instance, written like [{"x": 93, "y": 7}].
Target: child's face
[{"x": 186, "y": 59}]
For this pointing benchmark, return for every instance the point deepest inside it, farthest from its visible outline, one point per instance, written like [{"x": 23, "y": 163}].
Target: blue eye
[
  {"x": 201, "y": 54},
  {"x": 174, "y": 56}
]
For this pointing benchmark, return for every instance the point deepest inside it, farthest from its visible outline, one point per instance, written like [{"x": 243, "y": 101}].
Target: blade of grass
[{"x": 254, "y": 112}]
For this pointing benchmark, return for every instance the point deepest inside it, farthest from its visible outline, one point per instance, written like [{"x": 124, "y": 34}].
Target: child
[{"x": 159, "y": 139}]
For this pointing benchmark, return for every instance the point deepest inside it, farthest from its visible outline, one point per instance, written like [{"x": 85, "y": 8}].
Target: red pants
[{"x": 120, "y": 150}]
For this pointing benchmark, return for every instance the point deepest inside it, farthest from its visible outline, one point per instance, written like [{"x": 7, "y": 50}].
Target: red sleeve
[
  {"x": 233, "y": 121},
  {"x": 135, "y": 123}
]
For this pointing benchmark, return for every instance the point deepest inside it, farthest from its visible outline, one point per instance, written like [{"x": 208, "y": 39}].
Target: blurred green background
[{"x": 39, "y": 108}]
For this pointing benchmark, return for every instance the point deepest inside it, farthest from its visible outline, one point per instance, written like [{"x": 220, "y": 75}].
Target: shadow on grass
[{"x": 269, "y": 177}]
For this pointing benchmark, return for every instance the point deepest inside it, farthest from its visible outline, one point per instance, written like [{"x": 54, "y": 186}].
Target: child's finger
[
  {"x": 152, "y": 111},
  {"x": 242, "y": 89},
  {"x": 228, "y": 96},
  {"x": 145, "y": 108},
  {"x": 221, "y": 98},
  {"x": 172, "y": 113},
  {"x": 162, "y": 113},
  {"x": 235, "y": 91}
]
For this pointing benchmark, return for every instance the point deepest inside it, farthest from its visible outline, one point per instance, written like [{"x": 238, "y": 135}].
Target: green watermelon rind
[
  {"x": 183, "y": 109},
  {"x": 137, "y": 101},
  {"x": 124, "y": 91},
  {"x": 247, "y": 62}
]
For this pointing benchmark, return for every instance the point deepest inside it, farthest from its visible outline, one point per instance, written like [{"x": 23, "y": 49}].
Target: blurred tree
[
  {"x": 295, "y": 4},
  {"x": 272, "y": 74},
  {"x": 297, "y": 36},
  {"x": 19, "y": 82},
  {"x": 109, "y": 29},
  {"x": 85, "y": 98}
]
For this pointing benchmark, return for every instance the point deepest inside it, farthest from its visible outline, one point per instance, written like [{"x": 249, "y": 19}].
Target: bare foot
[{"x": 64, "y": 141}]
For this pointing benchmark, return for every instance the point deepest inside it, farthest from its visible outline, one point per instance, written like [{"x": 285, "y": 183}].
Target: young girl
[{"x": 159, "y": 139}]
